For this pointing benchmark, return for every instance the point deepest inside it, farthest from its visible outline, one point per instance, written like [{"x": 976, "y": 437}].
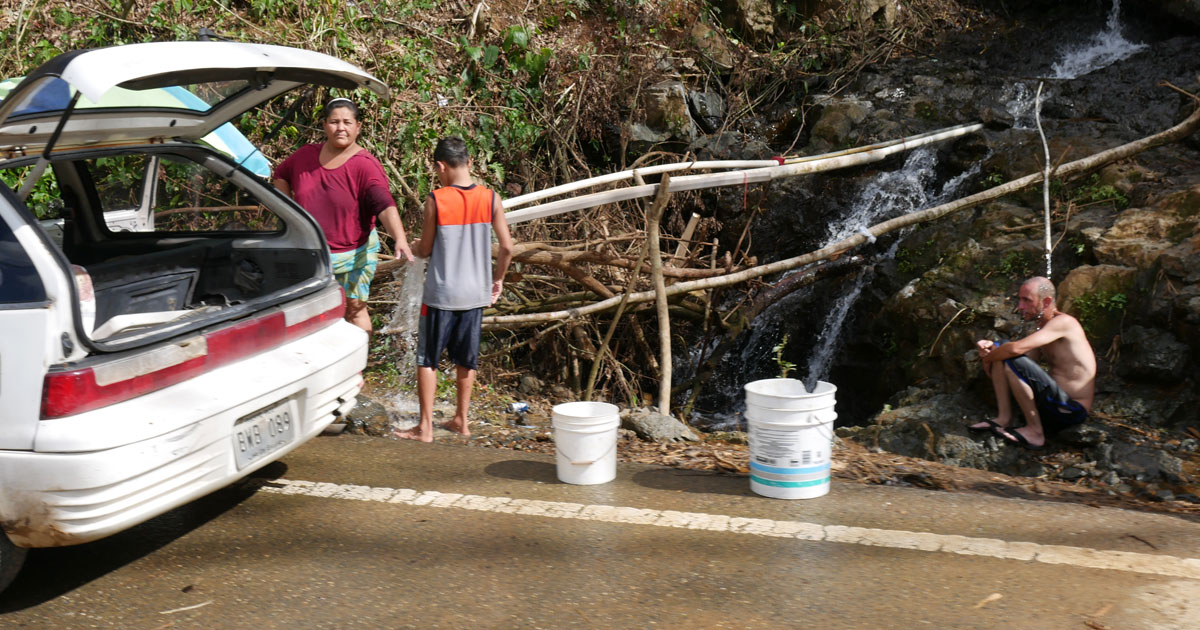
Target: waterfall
[
  {"x": 912, "y": 187},
  {"x": 1020, "y": 106},
  {"x": 1104, "y": 49},
  {"x": 890, "y": 195}
]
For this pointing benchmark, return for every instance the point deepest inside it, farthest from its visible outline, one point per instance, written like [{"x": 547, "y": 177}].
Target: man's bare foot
[
  {"x": 988, "y": 425},
  {"x": 413, "y": 434},
  {"x": 454, "y": 426}
]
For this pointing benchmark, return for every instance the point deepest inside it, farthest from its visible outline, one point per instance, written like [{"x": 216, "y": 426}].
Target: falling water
[
  {"x": 892, "y": 194},
  {"x": 822, "y": 356},
  {"x": 405, "y": 318},
  {"x": 1020, "y": 105},
  {"x": 913, "y": 187},
  {"x": 1105, "y": 48}
]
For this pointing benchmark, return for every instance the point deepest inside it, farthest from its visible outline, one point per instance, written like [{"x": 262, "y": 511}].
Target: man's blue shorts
[
  {"x": 1056, "y": 409},
  {"x": 456, "y": 332}
]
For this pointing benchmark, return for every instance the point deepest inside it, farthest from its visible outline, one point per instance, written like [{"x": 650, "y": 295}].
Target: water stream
[
  {"x": 1104, "y": 49},
  {"x": 403, "y": 324},
  {"x": 914, "y": 186},
  {"x": 900, "y": 192}
]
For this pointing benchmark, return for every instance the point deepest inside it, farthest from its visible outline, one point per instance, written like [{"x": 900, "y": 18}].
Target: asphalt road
[{"x": 354, "y": 532}]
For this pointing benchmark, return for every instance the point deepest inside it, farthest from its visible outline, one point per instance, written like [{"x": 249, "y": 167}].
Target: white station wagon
[{"x": 168, "y": 321}]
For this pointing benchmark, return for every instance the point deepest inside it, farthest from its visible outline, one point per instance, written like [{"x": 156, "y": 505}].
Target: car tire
[{"x": 11, "y": 559}]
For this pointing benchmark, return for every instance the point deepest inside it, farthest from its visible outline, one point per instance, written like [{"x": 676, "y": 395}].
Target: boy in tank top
[{"x": 460, "y": 280}]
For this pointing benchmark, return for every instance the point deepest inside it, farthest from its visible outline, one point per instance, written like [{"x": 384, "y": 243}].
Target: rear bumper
[{"x": 159, "y": 451}]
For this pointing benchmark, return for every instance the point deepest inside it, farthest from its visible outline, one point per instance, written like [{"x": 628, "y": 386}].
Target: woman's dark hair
[
  {"x": 335, "y": 103},
  {"x": 452, "y": 151}
]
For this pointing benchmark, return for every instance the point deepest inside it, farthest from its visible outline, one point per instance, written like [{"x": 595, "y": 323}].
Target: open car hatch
[{"x": 153, "y": 91}]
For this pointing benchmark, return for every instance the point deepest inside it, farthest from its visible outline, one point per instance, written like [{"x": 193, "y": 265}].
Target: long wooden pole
[
  {"x": 844, "y": 159},
  {"x": 653, "y": 218}
]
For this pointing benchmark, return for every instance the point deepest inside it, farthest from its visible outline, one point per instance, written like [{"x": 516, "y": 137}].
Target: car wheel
[{"x": 11, "y": 559}]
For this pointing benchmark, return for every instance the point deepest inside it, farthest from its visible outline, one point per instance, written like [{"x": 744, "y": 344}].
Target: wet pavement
[{"x": 356, "y": 532}]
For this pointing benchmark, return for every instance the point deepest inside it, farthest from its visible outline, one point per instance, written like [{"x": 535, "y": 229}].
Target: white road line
[{"x": 892, "y": 538}]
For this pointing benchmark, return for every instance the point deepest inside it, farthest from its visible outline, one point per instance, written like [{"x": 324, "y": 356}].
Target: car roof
[{"x": 149, "y": 92}]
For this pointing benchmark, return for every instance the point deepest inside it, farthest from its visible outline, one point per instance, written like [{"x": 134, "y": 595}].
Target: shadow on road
[
  {"x": 55, "y": 571},
  {"x": 524, "y": 470}
]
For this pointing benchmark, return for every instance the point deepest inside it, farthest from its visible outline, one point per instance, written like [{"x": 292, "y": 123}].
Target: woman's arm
[{"x": 390, "y": 218}]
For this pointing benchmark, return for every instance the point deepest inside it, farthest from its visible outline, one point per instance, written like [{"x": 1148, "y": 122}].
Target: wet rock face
[
  {"x": 1152, "y": 355},
  {"x": 1188, "y": 10}
]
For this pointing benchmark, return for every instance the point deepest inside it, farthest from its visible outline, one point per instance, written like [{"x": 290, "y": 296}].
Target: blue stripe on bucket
[
  {"x": 789, "y": 471},
  {"x": 789, "y": 484}
]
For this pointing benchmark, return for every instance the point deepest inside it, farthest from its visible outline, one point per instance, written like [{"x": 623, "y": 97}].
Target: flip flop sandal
[{"x": 1020, "y": 441}]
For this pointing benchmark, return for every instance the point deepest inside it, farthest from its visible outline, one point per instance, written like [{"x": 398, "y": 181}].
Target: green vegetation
[
  {"x": 44, "y": 199},
  {"x": 785, "y": 366},
  {"x": 1016, "y": 264},
  {"x": 1095, "y": 309},
  {"x": 1077, "y": 243},
  {"x": 1091, "y": 191}
]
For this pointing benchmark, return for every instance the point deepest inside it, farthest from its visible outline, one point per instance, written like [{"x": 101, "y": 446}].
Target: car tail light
[{"x": 69, "y": 392}]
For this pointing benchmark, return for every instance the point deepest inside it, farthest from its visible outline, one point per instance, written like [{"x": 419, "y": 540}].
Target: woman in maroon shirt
[{"x": 344, "y": 188}]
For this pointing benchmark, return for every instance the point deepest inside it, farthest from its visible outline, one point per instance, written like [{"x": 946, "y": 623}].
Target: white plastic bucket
[
  {"x": 789, "y": 393},
  {"x": 791, "y": 448},
  {"x": 585, "y": 442}
]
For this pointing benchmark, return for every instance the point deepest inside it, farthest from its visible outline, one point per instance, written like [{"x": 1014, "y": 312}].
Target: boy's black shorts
[{"x": 456, "y": 332}]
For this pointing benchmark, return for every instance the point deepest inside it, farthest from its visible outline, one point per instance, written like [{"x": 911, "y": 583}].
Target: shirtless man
[{"x": 1054, "y": 400}]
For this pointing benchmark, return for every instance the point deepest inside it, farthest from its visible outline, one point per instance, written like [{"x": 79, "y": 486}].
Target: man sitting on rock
[{"x": 1050, "y": 401}]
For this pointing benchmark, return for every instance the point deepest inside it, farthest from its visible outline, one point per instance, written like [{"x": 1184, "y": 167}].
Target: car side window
[
  {"x": 165, "y": 193},
  {"x": 19, "y": 280},
  {"x": 191, "y": 198}
]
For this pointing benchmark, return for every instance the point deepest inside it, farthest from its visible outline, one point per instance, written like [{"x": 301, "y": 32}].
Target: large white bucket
[
  {"x": 791, "y": 438},
  {"x": 585, "y": 442},
  {"x": 788, "y": 393}
]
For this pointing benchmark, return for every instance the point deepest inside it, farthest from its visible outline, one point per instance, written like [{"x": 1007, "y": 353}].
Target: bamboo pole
[
  {"x": 660, "y": 294},
  {"x": 610, "y": 178},
  {"x": 1092, "y": 162},
  {"x": 844, "y": 159},
  {"x": 636, "y": 173},
  {"x": 681, "y": 250}
]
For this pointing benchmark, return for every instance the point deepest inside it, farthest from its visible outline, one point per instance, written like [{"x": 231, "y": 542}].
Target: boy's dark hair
[
  {"x": 335, "y": 103},
  {"x": 452, "y": 151}
]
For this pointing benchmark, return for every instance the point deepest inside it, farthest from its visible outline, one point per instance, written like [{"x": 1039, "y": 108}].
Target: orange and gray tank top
[{"x": 459, "y": 275}]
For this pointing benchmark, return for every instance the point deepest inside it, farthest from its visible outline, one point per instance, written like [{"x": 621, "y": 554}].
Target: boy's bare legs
[
  {"x": 426, "y": 388},
  {"x": 464, "y": 382}
]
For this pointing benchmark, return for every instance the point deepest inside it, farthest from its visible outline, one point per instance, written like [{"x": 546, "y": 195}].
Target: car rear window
[{"x": 19, "y": 281}]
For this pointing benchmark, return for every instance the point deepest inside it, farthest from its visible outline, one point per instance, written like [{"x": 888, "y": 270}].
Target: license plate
[{"x": 257, "y": 435}]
